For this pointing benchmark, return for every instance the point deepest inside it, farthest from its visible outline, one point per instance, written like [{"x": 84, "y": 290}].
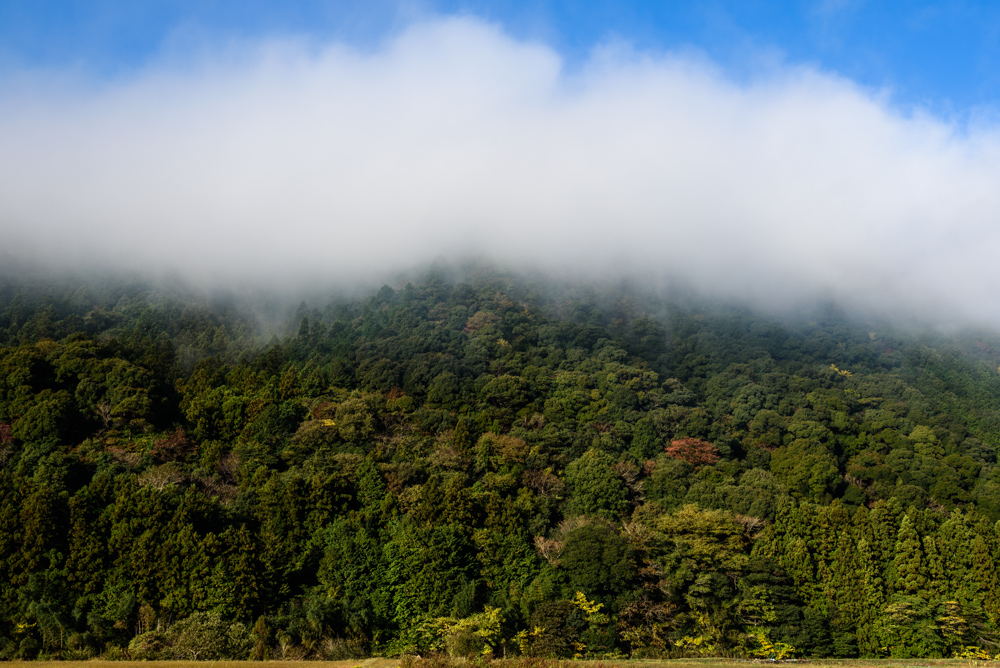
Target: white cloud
[{"x": 279, "y": 160}]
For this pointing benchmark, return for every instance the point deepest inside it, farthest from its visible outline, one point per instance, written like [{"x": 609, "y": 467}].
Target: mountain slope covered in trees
[{"x": 493, "y": 464}]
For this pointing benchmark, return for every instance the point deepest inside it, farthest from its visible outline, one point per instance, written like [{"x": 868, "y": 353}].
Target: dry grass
[
  {"x": 806, "y": 663},
  {"x": 96, "y": 663},
  {"x": 394, "y": 663}
]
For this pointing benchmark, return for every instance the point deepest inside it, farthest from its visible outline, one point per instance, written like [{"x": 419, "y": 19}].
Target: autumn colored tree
[{"x": 694, "y": 451}]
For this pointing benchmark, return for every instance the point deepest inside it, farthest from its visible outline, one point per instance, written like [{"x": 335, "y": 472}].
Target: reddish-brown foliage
[
  {"x": 6, "y": 436},
  {"x": 694, "y": 451},
  {"x": 324, "y": 410},
  {"x": 176, "y": 446}
]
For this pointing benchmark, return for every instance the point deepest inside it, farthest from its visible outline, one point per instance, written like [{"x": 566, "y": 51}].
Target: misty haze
[{"x": 286, "y": 161}]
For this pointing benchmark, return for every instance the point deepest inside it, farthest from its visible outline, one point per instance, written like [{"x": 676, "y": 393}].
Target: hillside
[{"x": 492, "y": 463}]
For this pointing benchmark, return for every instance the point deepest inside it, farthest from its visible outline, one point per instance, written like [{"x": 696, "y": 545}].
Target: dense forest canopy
[{"x": 485, "y": 464}]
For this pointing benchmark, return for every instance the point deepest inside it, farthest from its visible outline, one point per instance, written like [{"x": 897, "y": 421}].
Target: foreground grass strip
[
  {"x": 394, "y": 663},
  {"x": 96, "y": 663}
]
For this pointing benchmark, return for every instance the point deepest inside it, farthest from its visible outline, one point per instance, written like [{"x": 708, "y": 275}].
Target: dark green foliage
[
  {"x": 557, "y": 626},
  {"x": 594, "y": 487},
  {"x": 503, "y": 463},
  {"x": 600, "y": 564}
]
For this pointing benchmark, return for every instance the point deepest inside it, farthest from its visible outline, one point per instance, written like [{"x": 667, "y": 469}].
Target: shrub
[
  {"x": 205, "y": 635},
  {"x": 338, "y": 649},
  {"x": 115, "y": 653},
  {"x": 149, "y": 646},
  {"x": 464, "y": 642}
]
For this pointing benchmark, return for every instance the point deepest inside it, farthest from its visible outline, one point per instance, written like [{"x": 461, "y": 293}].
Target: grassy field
[
  {"x": 96, "y": 663},
  {"x": 394, "y": 663}
]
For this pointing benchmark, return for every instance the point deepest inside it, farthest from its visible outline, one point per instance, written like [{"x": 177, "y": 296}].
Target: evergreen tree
[{"x": 908, "y": 573}]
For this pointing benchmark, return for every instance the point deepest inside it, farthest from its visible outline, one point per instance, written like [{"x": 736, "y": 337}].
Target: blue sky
[{"x": 941, "y": 56}]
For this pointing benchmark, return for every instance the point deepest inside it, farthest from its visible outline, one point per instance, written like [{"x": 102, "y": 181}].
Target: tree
[
  {"x": 595, "y": 489},
  {"x": 909, "y": 570},
  {"x": 599, "y": 563},
  {"x": 701, "y": 554},
  {"x": 206, "y": 636},
  {"x": 694, "y": 451}
]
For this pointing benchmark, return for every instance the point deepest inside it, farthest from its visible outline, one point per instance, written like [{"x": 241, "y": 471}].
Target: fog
[{"x": 291, "y": 162}]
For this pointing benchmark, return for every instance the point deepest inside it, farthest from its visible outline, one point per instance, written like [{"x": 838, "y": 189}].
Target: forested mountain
[{"x": 494, "y": 464}]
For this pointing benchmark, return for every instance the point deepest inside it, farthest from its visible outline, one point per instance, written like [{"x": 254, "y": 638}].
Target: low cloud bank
[{"x": 285, "y": 162}]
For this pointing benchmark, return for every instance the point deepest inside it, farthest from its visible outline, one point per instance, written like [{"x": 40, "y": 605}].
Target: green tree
[{"x": 595, "y": 489}]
